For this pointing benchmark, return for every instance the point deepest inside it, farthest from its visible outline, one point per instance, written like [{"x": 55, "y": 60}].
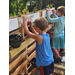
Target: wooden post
[
  {"x": 40, "y": 12},
  {"x": 25, "y": 68},
  {"x": 21, "y": 26},
  {"x": 22, "y": 31}
]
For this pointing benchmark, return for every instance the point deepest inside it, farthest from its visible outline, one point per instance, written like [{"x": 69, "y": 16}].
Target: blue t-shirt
[
  {"x": 44, "y": 55},
  {"x": 59, "y": 25}
]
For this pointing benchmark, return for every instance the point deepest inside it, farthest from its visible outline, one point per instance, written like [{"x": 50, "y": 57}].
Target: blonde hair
[{"x": 61, "y": 9}]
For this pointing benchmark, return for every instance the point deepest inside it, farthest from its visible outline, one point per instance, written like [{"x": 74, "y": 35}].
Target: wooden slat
[
  {"x": 22, "y": 31},
  {"x": 14, "y": 32},
  {"x": 60, "y": 72},
  {"x": 20, "y": 68},
  {"x": 19, "y": 58},
  {"x": 23, "y": 45},
  {"x": 29, "y": 66},
  {"x": 33, "y": 71},
  {"x": 59, "y": 67}
]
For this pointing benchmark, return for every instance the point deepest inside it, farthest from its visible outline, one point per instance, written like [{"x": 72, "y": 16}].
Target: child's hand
[
  {"x": 47, "y": 10},
  {"x": 53, "y": 11},
  {"x": 30, "y": 23},
  {"x": 24, "y": 18}
]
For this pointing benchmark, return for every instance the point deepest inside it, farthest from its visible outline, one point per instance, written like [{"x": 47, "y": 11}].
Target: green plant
[
  {"x": 19, "y": 13},
  {"x": 15, "y": 5},
  {"x": 39, "y": 4},
  {"x": 50, "y": 6},
  {"x": 25, "y": 11},
  {"x": 10, "y": 15},
  {"x": 35, "y": 9},
  {"x": 18, "y": 36}
]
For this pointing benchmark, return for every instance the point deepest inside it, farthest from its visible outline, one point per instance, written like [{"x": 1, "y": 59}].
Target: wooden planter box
[
  {"x": 20, "y": 57},
  {"x": 17, "y": 22}
]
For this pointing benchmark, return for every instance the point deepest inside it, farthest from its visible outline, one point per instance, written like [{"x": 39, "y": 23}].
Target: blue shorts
[
  {"x": 58, "y": 42},
  {"x": 48, "y": 69}
]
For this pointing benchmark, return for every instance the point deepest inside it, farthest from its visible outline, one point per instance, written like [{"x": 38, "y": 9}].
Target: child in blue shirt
[
  {"x": 58, "y": 40},
  {"x": 44, "y": 54}
]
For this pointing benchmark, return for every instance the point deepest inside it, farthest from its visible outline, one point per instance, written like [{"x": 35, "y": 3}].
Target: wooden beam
[
  {"x": 29, "y": 66},
  {"x": 33, "y": 71},
  {"x": 60, "y": 72},
  {"x": 59, "y": 67},
  {"x": 19, "y": 58},
  {"x": 20, "y": 68},
  {"x": 23, "y": 45},
  {"x": 22, "y": 31},
  {"x": 14, "y": 32}
]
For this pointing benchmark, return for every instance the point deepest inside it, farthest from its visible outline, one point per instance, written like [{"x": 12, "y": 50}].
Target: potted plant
[{"x": 15, "y": 40}]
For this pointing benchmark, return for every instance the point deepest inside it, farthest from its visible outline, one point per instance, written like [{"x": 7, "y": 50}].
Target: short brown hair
[
  {"x": 61, "y": 9},
  {"x": 42, "y": 23}
]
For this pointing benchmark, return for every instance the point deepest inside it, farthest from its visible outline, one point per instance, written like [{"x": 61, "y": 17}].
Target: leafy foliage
[
  {"x": 38, "y": 4},
  {"x": 15, "y": 5}
]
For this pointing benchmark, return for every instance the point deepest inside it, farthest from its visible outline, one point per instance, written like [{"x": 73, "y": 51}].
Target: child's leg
[
  {"x": 62, "y": 43},
  {"x": 48, "y": 70},
  {"x": 58, "y": 49},
  {"x": 56, "y": 46},
  {"x": 56, "y": 52}
]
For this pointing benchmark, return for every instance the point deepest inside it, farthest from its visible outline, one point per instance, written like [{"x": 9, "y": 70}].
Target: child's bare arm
[
  {"x": 33, "y": 30},
  {"x": 37, "y": 37}
]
